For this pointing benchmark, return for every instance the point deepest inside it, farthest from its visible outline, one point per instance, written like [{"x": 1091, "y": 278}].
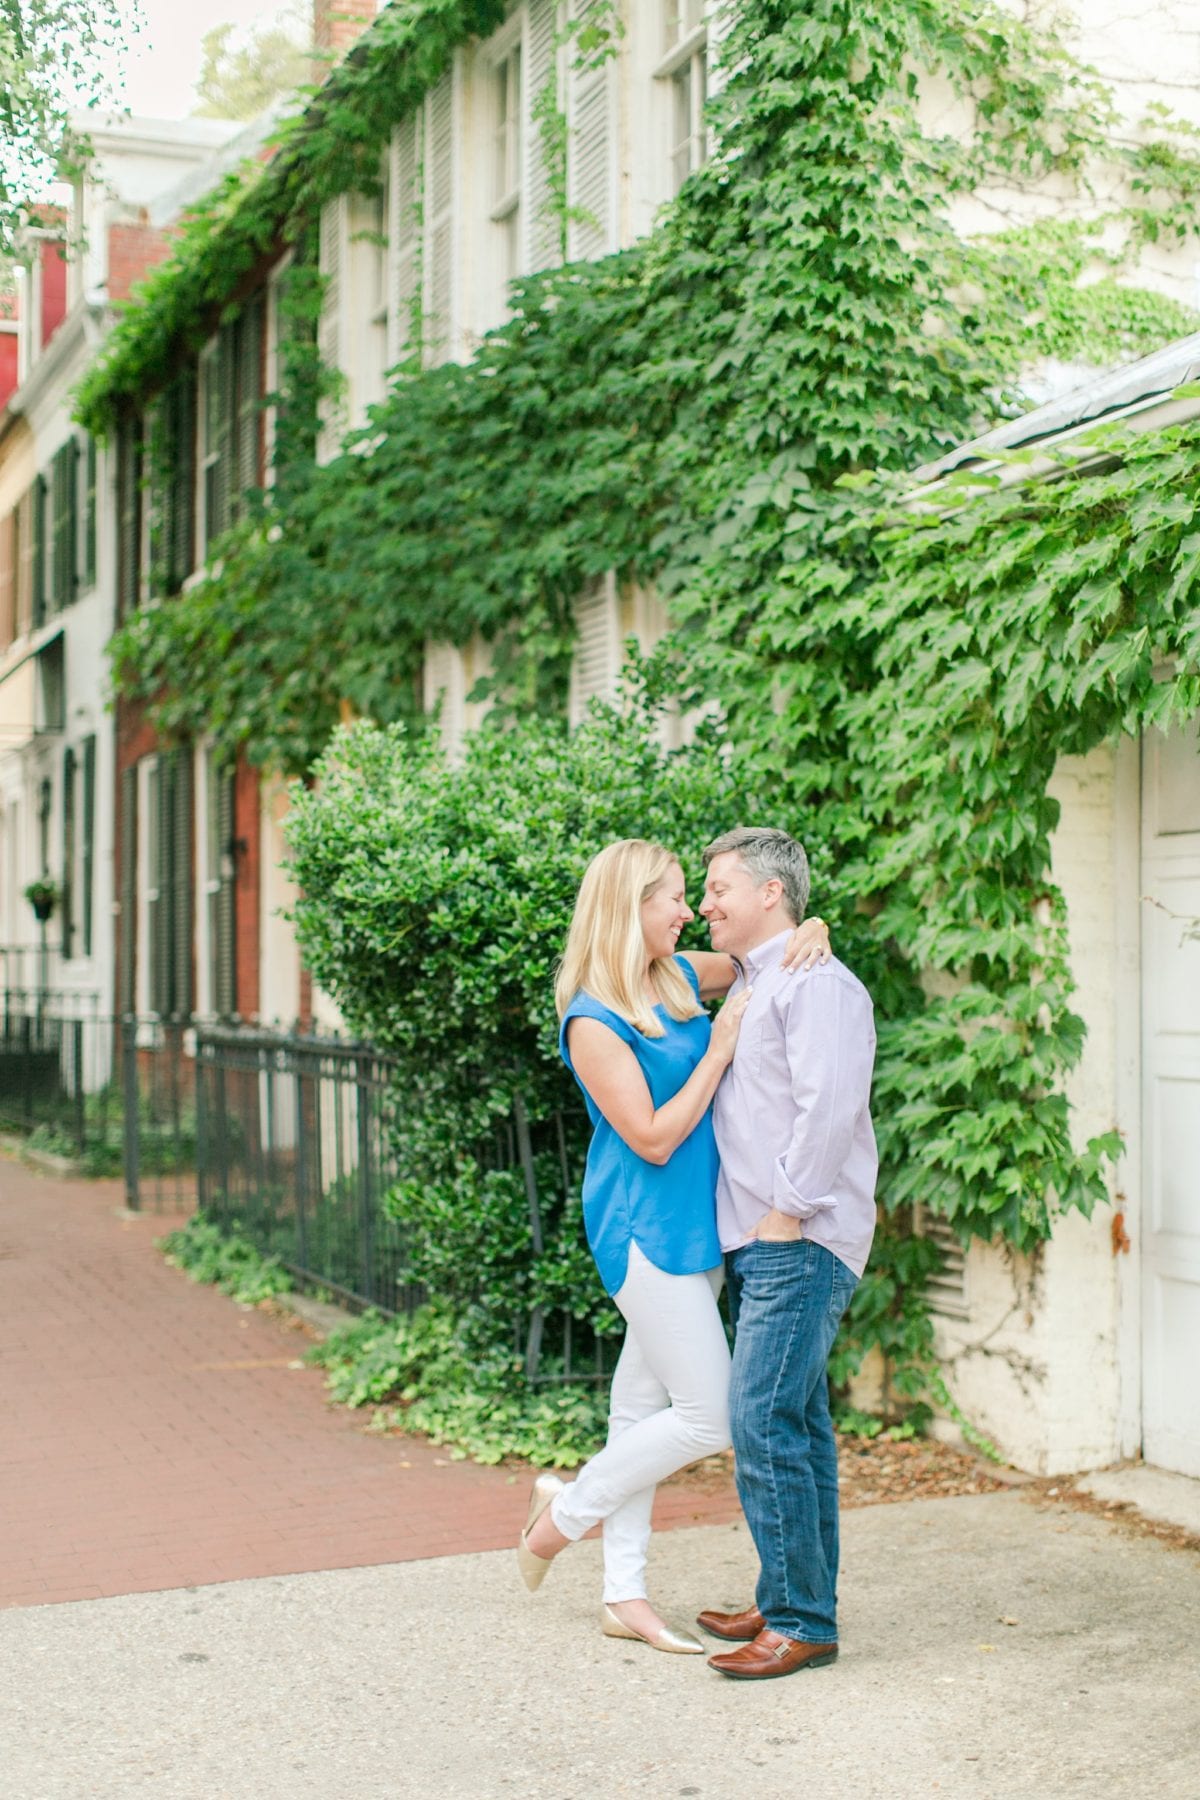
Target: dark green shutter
[
  {"x": 172, "y": 911},
  {"x": 64, "y": 525},
  {"x": 158, "y": 495},
  {"x": 225, "y": 948},
  {"x": 222, "y": 373},
  {"x": 89, "y": 516},
  {"x": 249, "y": 399},
  {"x": 89, "y": 843},
  {"x": 158, "y": 908},
  {"x": 129, "y": 852},
  {"x": 57, "y": 520},
  {"x": 39, "y": 551},
  {"x": 181, "y": 549},
  {"x": 70, "y": 454},
  {"x": 129, "y": 514},
  {"x": 68, "y": 853}
]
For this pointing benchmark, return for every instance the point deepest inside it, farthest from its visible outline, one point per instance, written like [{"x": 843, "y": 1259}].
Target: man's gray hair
[{"x": 768, "y": 855}]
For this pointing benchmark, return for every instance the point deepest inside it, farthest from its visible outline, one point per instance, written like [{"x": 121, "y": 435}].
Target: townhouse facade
[
  {"x": 419, "y": 269},
  {"x": 58, "y": 561}
]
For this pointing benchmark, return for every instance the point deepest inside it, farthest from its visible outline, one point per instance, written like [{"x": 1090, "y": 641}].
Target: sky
[{"x": 162, "y": 63}]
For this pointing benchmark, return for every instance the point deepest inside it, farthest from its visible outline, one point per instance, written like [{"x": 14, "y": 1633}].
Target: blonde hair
[{"x": 606, "y": 952}]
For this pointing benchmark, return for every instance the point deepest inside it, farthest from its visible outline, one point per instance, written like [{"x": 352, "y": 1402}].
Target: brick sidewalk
[{"x": 155, "y": 1435}]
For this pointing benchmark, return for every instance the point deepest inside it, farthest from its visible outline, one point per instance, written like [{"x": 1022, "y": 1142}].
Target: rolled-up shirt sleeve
[{"x": 830, "y": 1039}]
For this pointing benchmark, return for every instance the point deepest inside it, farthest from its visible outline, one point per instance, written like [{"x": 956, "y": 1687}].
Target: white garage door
[{"x": 1171, "y": 1099}]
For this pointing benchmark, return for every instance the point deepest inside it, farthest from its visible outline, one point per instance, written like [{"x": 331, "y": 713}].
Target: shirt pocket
[{"x": 747, "y": 1057}]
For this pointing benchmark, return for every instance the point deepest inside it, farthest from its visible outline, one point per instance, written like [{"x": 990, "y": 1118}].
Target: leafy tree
[
  {"x": 51, "y": 65},
  {"x": 241, "y": 76}
]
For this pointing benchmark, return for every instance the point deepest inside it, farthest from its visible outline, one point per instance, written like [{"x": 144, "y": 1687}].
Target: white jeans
[{"x": 669, "y": 1406}]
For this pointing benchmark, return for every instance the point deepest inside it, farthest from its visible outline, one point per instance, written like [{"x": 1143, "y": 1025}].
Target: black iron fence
[
  {"x": 58, "y": 1080},
  {"x": 293, "y": 1148},
  {"x": 284, "y": 1136}
]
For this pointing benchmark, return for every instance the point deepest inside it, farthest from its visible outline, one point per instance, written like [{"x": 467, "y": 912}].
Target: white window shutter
[
  {"x": 596, "y": 664},
  {"x": 542, "y": 247},
  {"x": 439, "y": 220},
  {"x": 403, "y": 260},
  {"x": 591, "y": 147},
  {"x": 333, "y": 244},
  {"x": 445, "y": 684}
]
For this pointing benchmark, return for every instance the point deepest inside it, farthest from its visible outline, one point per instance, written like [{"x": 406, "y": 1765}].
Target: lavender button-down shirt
[{"x": 791, "y": 1114}]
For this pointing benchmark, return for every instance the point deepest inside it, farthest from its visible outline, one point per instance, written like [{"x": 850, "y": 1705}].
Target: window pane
[
  {"x": 682, "y": 17},
  {"x": 508, "y": 125},
  {"x": 681, "y": 125}
]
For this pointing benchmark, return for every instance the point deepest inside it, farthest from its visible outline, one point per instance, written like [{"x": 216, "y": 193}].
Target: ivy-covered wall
[{"x": 727, "y": 410}]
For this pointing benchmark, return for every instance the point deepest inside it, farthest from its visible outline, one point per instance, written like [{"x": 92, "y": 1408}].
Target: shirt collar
[{"x": 764, "y": 955}]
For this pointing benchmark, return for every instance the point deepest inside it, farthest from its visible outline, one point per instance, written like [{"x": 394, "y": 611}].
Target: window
[
  {"x": 683, "y": 17},
  {"x": 175, "y": 509},
  {"x": 684, "y": 74},
  {"x": 45, "y": 806},
  {"x": 506, "y": 159},
  {"x": 231, "y": 377},
  {"x": 165, "y": 812}
]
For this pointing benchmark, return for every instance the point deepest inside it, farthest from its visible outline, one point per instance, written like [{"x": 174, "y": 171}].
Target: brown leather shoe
[
  {"x": 738, "y": 1627},
  {"x": 770, "y": 1655}
]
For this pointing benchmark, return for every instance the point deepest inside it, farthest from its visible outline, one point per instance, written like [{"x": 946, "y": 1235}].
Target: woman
[{"x": 640, "y": 1044}]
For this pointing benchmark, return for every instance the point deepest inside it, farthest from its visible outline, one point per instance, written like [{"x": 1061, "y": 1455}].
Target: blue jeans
[{"x": 786, "y": 1301}]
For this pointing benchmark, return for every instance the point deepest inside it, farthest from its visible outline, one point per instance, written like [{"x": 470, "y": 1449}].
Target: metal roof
[{"x": 1115, "y": 391}]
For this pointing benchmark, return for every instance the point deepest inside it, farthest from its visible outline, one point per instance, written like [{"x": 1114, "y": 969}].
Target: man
[{"x": 796, "y": 1214}]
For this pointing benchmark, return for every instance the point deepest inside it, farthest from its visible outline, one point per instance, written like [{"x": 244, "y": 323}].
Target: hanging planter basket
[{"x": 43, "y": 897}]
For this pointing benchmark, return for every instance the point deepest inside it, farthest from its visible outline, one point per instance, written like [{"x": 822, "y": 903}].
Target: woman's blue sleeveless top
[{"x": 668, "y": 1210}]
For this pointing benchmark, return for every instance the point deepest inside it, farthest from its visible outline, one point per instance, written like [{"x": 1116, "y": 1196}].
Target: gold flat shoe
[
  {"x": 533, "y": 1568},
  {"x": 678, "y": 1643}
]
